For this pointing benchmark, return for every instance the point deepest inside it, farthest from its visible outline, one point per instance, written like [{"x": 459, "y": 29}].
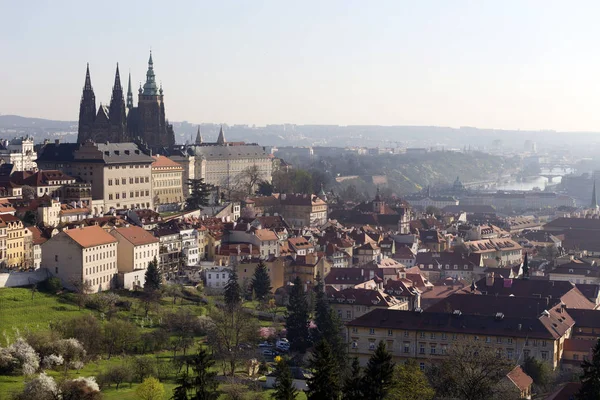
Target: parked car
[
  {"x": 265, "y": 344},
  {"x": 269, "y": 353}
]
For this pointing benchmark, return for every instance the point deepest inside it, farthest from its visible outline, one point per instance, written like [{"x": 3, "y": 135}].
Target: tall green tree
[
  {"x": 352, "y": 388},
  {"x": 378, "y": 374},
  {"x": 590, "y": 380},
  {"x": 153, "y": 277},
  {"x": 284, "y": 384},
  {"x": 328, "y": 324},
  {"x": 199, "y": 194},
  {"x": 410, "y": 383},
  {"x": 261, "y": 282},
  {"x": 325, "y": 382},
  {"x": 297, "y": 318},
  {"x": 232, "y": 292},
  {"x": 201, "y": 383}
]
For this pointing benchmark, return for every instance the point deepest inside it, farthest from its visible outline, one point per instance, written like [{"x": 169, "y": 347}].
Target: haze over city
[{"x": 506, "y": 65}]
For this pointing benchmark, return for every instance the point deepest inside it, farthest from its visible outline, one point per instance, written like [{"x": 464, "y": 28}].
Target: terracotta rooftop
[
  {"x": 136, "y": 235},
  {"x": 164, "y": 162},
  {"x": 90, "y": 236},
  {"x": 265, "y": 234},
  {"x": 520, "y": 378}
]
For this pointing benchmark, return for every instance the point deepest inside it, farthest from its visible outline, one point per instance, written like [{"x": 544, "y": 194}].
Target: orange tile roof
[
  {"x": 162, "y": 162},
  {"x": 265, "y": 234},
  {"x": 90, "y": 236},
  {"x": 136, "y": 235},
  {"x": 520, "y": 378}
]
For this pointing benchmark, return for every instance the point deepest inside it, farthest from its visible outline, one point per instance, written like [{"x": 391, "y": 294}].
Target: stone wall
[{"x": 16, "y": 279}]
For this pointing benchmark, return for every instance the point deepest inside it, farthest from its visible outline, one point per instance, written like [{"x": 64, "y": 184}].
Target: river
[{"x": 535, "y": 181}]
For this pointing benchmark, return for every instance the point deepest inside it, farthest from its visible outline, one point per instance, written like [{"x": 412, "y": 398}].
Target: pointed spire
[
  {"x": 88, "y": 80},
  {"x": 198, "y": 136},
  {"x": 117, "y": 85},
  {"x": 150, "y": 88},
  {"x": 221, "y": 138},
  {"x": 594, "y": 199},
  {"x": 150, "y": 62},
  {"x": 129, "y": 93}
]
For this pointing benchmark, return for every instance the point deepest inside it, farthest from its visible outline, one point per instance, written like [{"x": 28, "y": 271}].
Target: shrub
[
  {"x": 43, "y": 387},
  {"x": 51, "y": 285},
  {"x": 27, "y": 360}
]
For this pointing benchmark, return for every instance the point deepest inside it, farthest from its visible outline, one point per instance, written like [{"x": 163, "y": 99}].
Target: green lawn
[{"x": 18, "y": 312}]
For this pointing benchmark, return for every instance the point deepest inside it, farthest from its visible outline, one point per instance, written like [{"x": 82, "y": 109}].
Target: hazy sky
[{"x": 499, "y": 64}]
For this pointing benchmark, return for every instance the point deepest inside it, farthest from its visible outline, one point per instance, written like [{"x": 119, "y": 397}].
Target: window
[
  {"x": 498, "y": 340},
  {"x": 354, "y": 330},
  {"x": 544, "y": 355},
  {"x": 509, "y": 354},
  {"x": 110, "y": 182},
  {"x": 433, "y": 349},
  {"x": 349, "y": 314},
  {"x": 371, "y": 345},
  {"x": 488, "y": 339},
  {"x": 371, "y": 331},
  {"x": 526, "y": 353},
  {"x": 406, "y": 347},
  {"x": 406, "y": 333},
  {"x": 56, "y": 257},
  {"x": 422, "y": 335},
  {"x": 390, "y": 332},
  {"x": 422, "y": 366},
  {"x": 575, "y": 356},
  {"x": 444, "y": 336},
  {"x": 444, "y": 348},
  {"x": 421, "y": 348},
  {"x": 544, "y": 343},
  {"x": 432, "y": 335}
]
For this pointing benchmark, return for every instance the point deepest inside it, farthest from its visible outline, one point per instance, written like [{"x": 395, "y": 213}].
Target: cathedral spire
[
  {"x": 117, "y": 85},
  {"x": 150, "y": 88},
  {"x": 594, "y": 204},
  {"x": 221, "y": 138},
  {"x": 129, "y": 94},
  {"x": 198, "y": 136},
  {"x": 88, "y": 80}
]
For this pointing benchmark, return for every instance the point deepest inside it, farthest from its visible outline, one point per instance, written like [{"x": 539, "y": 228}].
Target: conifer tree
[
  {"x": 199, "y": 194},
  {"x": 284, "y": 384},
  {"x": 590, "y": 380},
  {"x": 297, "y": 318},
  {"x": 153, "y": 277},
  {"x": 378, "y": 374},
  {"x": 233, "y": 291},
  {"x": 261, "y": 282},
  {"x": 325, "y": 382},
  {"x": 352, "y": 389},
  {"x": 329, "y": 326}
]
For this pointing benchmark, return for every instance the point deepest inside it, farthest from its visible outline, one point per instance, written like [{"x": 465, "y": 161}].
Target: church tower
[
  {"x": 153, "y": 127},
  {"x": 87, "y": 109},
  {"x": 221, "y": 139},
  {"x": 198, "y": 136},
  {"x": 116, "y": 112},
  {"x": 129, "y": 95}
]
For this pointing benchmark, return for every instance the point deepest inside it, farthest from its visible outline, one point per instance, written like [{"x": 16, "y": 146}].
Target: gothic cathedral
[{"x": 122, "y": 122}]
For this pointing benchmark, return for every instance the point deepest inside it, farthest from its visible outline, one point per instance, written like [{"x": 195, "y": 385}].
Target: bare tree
[
  {"x": 82, "y": 289},
  {"x": 28, "y": 192},
  {"x": 472, "y": 370},
  {"x": 231, "y": 333},
  {"x": 250, "y": 177}
]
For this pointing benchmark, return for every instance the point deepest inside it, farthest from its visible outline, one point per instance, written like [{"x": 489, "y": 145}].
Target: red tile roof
[
  {"x": 520, "y": 378},
  {"x": 136, "y": 235},
  {"x": 90, "y": 236}
]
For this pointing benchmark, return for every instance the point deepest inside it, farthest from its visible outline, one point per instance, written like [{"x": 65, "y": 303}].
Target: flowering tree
[{"x": 42, "y": 387}]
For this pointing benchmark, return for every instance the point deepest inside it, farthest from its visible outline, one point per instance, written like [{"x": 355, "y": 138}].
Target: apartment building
[
  {"x": 427, "y": 336},
  {"x": 136, "y": 248},
  {"x": 352, "y": 303},
  {"x": 15, "y": 241},
  {"x": 275, "y": 268},
  {"x": 500, "y": 251},
  {"x": 85, "y": 254},
  {"x": 119, "y": 173},
  {"x": 20, "y": 153},
  {"x": 167, "y": 183}
]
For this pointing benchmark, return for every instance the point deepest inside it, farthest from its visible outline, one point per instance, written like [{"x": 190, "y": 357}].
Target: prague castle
[{"x": 120, "y": 121}]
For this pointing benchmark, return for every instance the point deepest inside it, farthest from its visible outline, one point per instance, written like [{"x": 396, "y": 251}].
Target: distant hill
[{"x": 16, "y": 121}]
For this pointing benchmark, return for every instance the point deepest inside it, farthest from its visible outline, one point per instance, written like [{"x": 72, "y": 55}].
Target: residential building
[
  {"x": 169, "y": 259},
  {"x": 367, "y": 252},
  {"x": 86, "y": 254},
  {"x": 352, "y": 303},
  {"x": 15, "y": 241},
  {"x": 576, "y": 271},
  {"x": 427, "y": 336},
  {"x": 44, "y": 182},
  {"x": 275, "y": 268},
  {"x": 520, "y": 382},
  {"x": 167, "y": 184},
  {"x": 298, "y": 210},
  {"x": 38, "y": 238},
  {"x": 136, "y": 248},
  {"x": 215, "y": 278},
  {"x": 495, "y": 252},
  {"x": 119, "y": 173}
]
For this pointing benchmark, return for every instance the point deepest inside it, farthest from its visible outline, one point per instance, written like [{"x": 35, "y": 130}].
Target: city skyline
[{"x": 346, "y": 63}]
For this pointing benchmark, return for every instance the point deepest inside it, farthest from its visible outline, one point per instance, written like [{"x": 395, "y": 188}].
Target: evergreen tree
[
  {"x": 261, "y": 282},
  {"x": 325, "y": 382},
  {"x": 590, "y": 380},
  {"x": 199, "y": 194},
  {"x": 297, "y": 318},
  {"x": 352, "y": 389},
  {"x": 202, "y": 384},
  {"x": 329, "y": 326},
  {"x": 284, "y": 384},
  {"x": 377, "y": 378},
  {"x": 233, "y": 291},
  {"x": 153, "y": 277}
]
